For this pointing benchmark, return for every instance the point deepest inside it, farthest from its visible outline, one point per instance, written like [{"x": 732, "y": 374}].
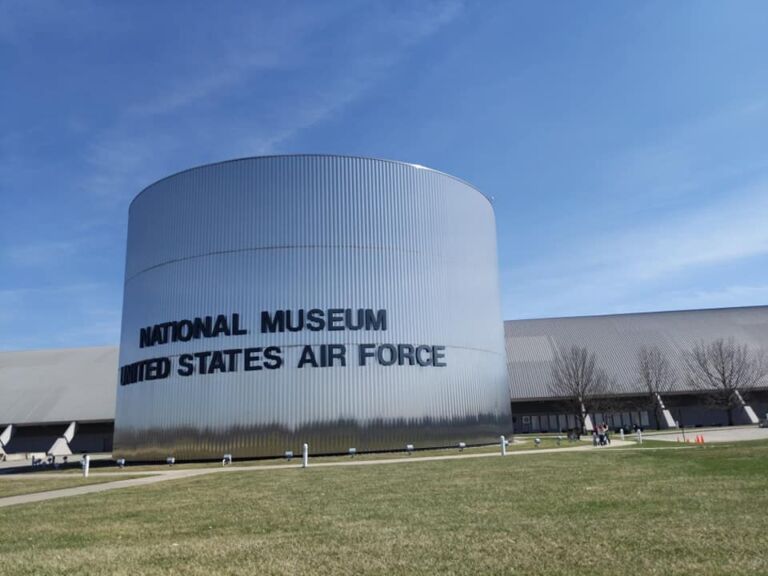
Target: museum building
[{"x": 340, "y": 301}]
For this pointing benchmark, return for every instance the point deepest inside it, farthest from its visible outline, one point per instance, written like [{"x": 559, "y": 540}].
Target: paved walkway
[
  {"x": 716, "y": 435},
  {"x": 163, "y": 475},
  {"x": 79, "y": 490}
]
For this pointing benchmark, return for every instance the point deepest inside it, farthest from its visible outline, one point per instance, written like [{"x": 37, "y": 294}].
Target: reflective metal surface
[{"x": 314, "y": 232}]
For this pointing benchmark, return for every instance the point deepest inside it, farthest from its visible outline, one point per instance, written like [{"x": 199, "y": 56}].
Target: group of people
[{"x": 600, "y": 436}]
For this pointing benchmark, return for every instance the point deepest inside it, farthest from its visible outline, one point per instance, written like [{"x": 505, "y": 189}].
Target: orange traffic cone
[{"x": 702, "y": 438}]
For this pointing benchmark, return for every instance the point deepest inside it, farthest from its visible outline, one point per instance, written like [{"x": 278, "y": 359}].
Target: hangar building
[{"x": 616, "y": 341}]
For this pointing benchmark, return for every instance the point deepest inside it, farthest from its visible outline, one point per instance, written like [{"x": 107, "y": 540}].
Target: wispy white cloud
[
  {"x": 731, "y": 228},
  {"x": 730, "y": 295},
  {"x": 265, "y": 76},
  {"x": 613, "y": 271},
  {"x": 361, "y": 72},
  {"x": 21, "y": 21},
  {"x": 59, "y": 316},
  {"x": 40, "y": 253},
  {"x": 270, "y": 44},
  {"x": 135, "y": 150},
  {"x": 689, "y": 160},
  {"x": 684, "y": 208}
]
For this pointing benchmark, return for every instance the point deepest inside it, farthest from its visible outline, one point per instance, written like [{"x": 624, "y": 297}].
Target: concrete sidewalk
[
  {"x": 716, "y": 435},
  {"x": 79, "y": 490}
]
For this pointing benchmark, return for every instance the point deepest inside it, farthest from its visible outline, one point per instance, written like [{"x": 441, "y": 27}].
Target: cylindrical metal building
[{"x": 339, "y": 301}]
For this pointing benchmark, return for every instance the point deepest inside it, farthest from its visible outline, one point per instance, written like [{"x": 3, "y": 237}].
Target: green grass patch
[
  {"x": 14, "y": 486},
  {"x": 646, "y": 511}
]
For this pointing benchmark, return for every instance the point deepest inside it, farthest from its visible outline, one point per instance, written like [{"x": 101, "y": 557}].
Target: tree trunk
[{"x": 659, "y": 416}]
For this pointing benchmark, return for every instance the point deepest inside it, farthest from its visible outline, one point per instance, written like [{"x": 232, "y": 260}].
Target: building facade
[
  {"x": 344, "y": 302},
  {"x": 616, "y": 340},
  {"x": 44, "y": 392}
]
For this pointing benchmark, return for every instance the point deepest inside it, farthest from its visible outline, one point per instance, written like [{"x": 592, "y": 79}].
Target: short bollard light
[
  {"x": 288, "y": 455},
  {"x": 621, "y": 433},
  {"x": 409, "y": 448},
  {"x": 170, "y": 460},
  {"x": 462, "y": 445},
  {"x": 121, "y": 462},
  {"x": 537, "y": 441},
  {"x": 305, "y": 456},
  {"x": 352, "y": 452},
  {"x": 503, "y": 442},
  {"x": 226, "y": 460},
  {"x": 86, "y": 464}
]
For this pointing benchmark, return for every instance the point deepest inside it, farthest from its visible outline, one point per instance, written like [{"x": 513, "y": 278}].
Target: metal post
[
  {"x": 86, "y": 465},
  {"x": 503, "y": 446},
  {"x": 305, "y": 456},
  {"x": 621, "y": 432},
  {"x": 640, "y": 435}
]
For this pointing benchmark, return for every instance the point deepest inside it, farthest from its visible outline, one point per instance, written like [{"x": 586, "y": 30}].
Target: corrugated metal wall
[
  {"x": 45, "y": 386},
  {"x": 617, "y": 339},
  {"x": 291, "y": 232}
]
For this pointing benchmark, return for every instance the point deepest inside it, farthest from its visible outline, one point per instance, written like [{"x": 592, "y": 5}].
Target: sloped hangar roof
[
  {"x": 617, "y": 339},
  {"x": 52, "y": 386}
]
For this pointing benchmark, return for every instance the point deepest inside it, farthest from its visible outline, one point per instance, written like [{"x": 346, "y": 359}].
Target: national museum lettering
[{"x": 250, "y": 359}]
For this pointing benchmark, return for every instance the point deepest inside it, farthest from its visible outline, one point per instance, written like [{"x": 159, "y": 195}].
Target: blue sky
[{"x": 625, "y": 143}]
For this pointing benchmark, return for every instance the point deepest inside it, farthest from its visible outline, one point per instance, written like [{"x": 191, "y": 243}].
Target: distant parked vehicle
[{"x": 763, "y": 423}]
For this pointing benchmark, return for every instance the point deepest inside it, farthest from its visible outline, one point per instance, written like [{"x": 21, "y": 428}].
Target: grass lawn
[
  {"x": 12, "y": 486},
  {"x": 699, "y": 510}
]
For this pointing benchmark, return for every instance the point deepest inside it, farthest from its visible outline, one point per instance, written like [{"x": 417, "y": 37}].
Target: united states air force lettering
[{"x": 273, "y": 357}]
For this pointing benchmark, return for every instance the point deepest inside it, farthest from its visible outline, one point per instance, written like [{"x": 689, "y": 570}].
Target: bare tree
[
  {"x": 726, "y": 371},
  {"x": 578, "y": 381},
  {"x": 656, "y": 375}
]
